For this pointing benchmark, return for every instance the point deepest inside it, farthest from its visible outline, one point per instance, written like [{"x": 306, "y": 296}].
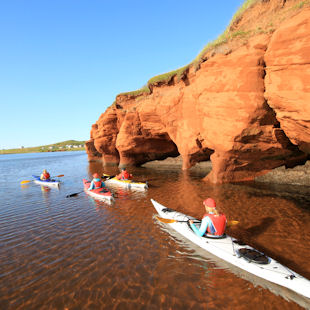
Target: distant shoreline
[
  {"x": 64, "y": 146},
  {"x": 7, "y": 152}
]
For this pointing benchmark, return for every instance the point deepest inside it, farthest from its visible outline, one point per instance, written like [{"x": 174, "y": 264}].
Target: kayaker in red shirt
[
  {"x": 96, "y": 182},
  {"x": 213, "y": 223},
  {"x": 45, "y": 175},
  {"x": 124, "y": 175}
]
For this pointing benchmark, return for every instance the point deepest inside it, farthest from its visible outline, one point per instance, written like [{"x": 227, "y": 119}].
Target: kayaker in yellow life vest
[
  {"x": 124, "y": 175},
  {"x": 45, "y": 175},
  {"x": 96, "y": 182},
  {"x": 213, "y": 223}
]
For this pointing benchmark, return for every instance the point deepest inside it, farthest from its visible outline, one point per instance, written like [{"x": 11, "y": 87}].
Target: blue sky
[{"x": 62, "y": 62}]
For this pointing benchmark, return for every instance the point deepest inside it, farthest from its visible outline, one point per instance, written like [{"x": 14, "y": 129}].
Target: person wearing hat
[
  {"x": 213, "y": 223},
  {"x": 124, "y": 175},
  {"x": 45, "y": 175},
  {"x": 96, "y": 182}
]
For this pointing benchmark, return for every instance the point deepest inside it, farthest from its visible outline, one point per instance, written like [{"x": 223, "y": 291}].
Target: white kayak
[
  {"x": 49, "y": 183},
  {"x": 237, "y": 253},
  {"x": 126, "y": 183}
]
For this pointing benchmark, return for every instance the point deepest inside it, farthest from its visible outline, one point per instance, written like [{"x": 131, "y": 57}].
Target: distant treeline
[{"x": 69, "y": 145}]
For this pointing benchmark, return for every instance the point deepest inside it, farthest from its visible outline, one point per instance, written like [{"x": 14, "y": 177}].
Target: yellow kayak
[{"x": 126, "y": 183}]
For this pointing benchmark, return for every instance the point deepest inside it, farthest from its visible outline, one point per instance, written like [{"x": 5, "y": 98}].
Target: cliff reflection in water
[{"x": 77, "y": 252}]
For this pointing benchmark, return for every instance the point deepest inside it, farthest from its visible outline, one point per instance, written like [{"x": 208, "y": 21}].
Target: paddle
[
  {"x": 169, "y": 221},
  {"x": 107, "y": 177},
  {"x": 74, "y": 194},
  {"x": 27, "y": 181}
]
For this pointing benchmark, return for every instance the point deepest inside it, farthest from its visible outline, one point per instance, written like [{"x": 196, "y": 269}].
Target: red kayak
[{"x": 99, "y": 193}]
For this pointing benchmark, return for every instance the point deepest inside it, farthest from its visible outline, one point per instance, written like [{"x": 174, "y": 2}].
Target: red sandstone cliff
[{"x": 247, "y": 108}]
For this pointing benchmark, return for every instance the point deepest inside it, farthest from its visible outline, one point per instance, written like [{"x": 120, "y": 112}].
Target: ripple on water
[{"x": 79, "y": 253}]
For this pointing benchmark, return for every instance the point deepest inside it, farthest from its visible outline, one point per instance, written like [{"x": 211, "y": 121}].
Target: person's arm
[
  {"x": 91, "y": 186},
  {"x": 203, "y": 226}
]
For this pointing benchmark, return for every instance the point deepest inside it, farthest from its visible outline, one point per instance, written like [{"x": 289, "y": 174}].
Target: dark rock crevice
[{"x": 155, "y": 148}]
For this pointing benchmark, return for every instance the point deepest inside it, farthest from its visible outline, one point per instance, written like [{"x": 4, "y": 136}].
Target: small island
[{"x": 69, "y": 145}]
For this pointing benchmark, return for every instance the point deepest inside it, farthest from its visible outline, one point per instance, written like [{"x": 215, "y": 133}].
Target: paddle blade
[
  {"x": 72, "y": 195},
  {"x": 108, "y": 177},
  {"x": 24, "y": 182},
  {"x": 163, "y": 220},
  {"x": 59, "y": 176},
  {"x": 232, "y": 223}
]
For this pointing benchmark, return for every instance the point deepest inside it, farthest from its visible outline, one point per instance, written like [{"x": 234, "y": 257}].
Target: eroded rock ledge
[{"x": 246, "y": 110}]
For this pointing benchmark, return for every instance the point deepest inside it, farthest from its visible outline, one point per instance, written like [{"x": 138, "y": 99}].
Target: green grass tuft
[
  {"x": 167, "y": 77},
  {"x": 300, "y": 4},
  {"x": 138, "y": 92}
]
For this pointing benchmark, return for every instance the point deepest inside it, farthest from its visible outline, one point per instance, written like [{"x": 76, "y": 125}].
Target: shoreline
[{"x": 299, "y": 175}]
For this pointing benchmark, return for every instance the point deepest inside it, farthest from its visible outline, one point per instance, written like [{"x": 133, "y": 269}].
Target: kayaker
[
  {"x": 96, "y": 182},
  {"x": 213, "y": 223},
  {"x": 124, "y": 175},
  {"x": 45, "y": 175}
]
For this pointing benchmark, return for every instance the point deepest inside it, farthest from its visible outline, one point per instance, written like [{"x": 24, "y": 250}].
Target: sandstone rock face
[
  {"x": 288, "y": 78},
  {"x": 248, "y": 111}
]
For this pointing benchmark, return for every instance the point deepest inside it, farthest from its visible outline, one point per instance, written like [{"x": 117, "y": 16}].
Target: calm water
[{"x": 78, "y": 253}]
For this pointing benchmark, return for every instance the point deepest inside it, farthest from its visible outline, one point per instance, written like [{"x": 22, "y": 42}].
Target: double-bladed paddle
[
  {"x": 27, "y": 181},
  {"x": 169, "y": 221}
]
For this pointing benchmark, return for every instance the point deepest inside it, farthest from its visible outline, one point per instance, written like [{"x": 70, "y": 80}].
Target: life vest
[
  {"x": 97, "y": 183},
  {"x": 125, "y": 175},
  {"x": 45, "y": 176},
  {"x": 219, "y": 223}
]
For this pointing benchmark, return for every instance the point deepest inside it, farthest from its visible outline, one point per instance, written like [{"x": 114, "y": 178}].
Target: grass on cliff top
[
  {"x": 226, "y": 35},
  {"x": 135, "y": 93},
  {"x": 222, "y": 39},
  {"x": 167, "y": 77}
]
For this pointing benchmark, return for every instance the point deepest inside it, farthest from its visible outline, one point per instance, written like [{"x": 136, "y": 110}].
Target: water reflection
[
  {"x": 46, "y": 195},
  {"x": 86, "y": 254},
  {"x": 94, "y": 167},
  {"x": 24, "y": 186},
  {"x": 208, "y": 262}
]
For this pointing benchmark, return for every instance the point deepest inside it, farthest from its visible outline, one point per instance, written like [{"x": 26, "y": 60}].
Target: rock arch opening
[{"x": 144, "y": 150}]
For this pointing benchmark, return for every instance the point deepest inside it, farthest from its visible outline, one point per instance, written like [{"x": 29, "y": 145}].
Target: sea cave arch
[{"x": 142, "y": 150}]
